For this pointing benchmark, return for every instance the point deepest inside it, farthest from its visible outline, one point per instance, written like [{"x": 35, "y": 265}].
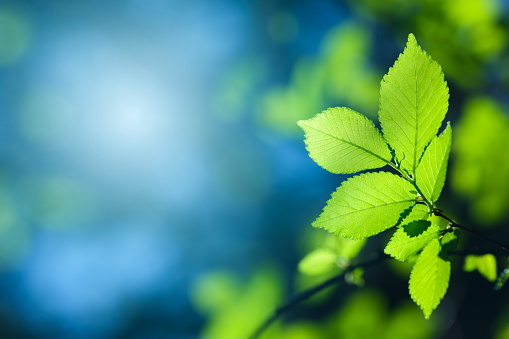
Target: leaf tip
[
  {"x": 301, "y": 123},
  {"x": 411, "y": 39}
]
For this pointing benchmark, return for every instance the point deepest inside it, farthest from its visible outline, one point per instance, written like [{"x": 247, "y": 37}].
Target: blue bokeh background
[
  {"x": 123, "y": 178},
  {"x": 138, "y": 149}
]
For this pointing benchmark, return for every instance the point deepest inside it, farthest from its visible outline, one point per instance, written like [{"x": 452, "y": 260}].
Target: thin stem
[
  {"x": 379, "y": 257},
  {"x": 412, "y": 181},
  {"x": 439, "y": 213}
]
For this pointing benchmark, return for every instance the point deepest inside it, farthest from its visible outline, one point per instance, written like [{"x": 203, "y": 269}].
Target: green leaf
[
  {"x": 431, "y": 172},
  {"x": 486, "y": 265},
  {"x": 344, "y": 141},
  {"x": 413, "y": 103},
  {"x": 418, "y": 212},
  {"x": 318, "y": 262},
  {"x": 366, "y": 204},
  {"x": 416, "y": 228},
  {"x": 408, "y": 240},
  {"x": 470, "y": 264},
  {"x": 429, "y": 279}
]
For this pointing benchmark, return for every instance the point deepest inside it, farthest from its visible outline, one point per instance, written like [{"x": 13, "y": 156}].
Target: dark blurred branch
[
  {"x": 376, "y": 258},
  {"x": 477, "y": 252},
  {"x": 453, "y": 223}
]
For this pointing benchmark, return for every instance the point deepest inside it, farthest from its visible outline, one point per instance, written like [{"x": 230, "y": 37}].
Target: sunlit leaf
[
  {"x": 366, "y": 204},
  {"x": 344, "y": 141},
  {"x": 408, "y": 240},
  {"x": 431, "y": 172},
  {"x": 413, "y": 103},
  {"x": 429, "y": 279},
  {"x": 417, "y": 212}
]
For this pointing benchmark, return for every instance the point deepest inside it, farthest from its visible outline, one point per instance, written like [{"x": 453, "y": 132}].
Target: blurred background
[{"x": 154, "y": 183}]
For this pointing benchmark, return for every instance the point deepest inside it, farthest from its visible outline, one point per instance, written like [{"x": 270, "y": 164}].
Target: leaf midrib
[
  {"x": 414, "y": 166},
  {"x": 368, "y": 208},
  {"x": 348, "y": 142}
]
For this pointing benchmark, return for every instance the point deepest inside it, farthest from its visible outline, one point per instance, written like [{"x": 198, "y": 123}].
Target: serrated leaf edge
[
  {"x": 346, "y": 182},
  {"x": 428, "y": 312}
]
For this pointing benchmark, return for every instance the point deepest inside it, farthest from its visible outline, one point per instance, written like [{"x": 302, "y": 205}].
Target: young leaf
[
  {"x": 366, "y": 204},
  {"x": 429, "y": 278},
  {"x": 344, "y": 141},
  {"x": 486, "y": 265},
  {"x": 449, "y": 242},
  {"x": 430, "y": 174},
  {"x": 413, "y": 102},
  {"x": 418, "y": 212},
  {"x": 403, "y": 245}
]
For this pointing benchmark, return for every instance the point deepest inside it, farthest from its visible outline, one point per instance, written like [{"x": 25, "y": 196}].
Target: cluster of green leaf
[{"x": 413, "y": 103}]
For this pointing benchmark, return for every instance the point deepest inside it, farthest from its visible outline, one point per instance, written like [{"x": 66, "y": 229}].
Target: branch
[
  {"x": 376, "y": 259},
  {"x": 460, "y": 253},
  {"x": 503, "y": 246}
]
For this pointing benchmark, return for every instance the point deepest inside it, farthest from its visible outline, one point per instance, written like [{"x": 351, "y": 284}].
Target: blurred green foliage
[
  {"x": 366, "y": 315},
  {"x": 461, "y": 35},
  {"x": 235, "y": 309},
  {"x": 486, "y": 265},
  {"x": 480, "y": 174},
  {"x": 334, "y": 255},
  {"x": 340, "y": 74}
]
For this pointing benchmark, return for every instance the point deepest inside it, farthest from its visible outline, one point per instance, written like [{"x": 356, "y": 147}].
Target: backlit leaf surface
[
  {"x": 429, "y": 279},
  {"x": 366, "y": 204},
  {"x": 413, "y": 102},
  {"x": 344, "y": 141},
  {"x": 403, "y": 245},
  {"x": 430, "y": 174}
]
